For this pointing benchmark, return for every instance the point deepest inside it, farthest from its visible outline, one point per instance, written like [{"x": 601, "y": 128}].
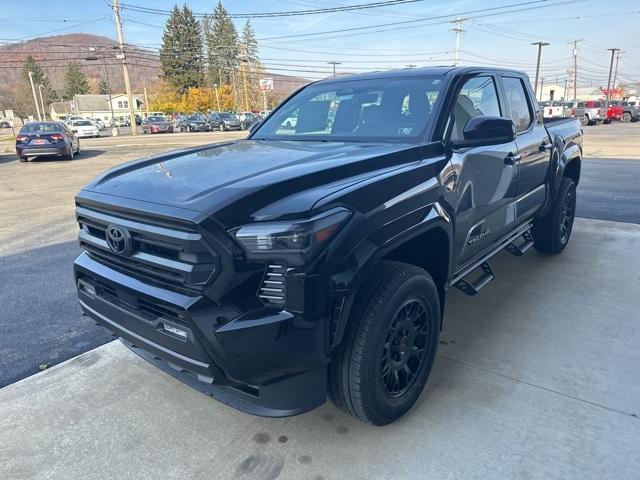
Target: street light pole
[
  {"x": 540, "y": 45},
  {"x": 44, "y": 112},
  {"x": 35, "y": 99}
]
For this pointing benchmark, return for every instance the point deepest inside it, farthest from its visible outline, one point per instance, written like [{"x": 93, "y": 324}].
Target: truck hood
[{"x": 241, "y": 181}]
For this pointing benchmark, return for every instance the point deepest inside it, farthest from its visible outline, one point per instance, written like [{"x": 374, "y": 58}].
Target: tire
[
  {"x": 584, "y": 120},
  {"x": 222, "y": 127},
  {"x": 358, "y": 383},
  {"x": 22, "y": 158},
  {"x": 78, "y": 149},
  {"x": 69, "y": 154},
  {"x": 552, "y": 231},
  {"x": 626, "y": 117}
]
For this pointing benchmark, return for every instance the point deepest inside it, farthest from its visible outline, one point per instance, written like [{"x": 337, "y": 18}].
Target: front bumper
[{"x": 263, "y": 361}]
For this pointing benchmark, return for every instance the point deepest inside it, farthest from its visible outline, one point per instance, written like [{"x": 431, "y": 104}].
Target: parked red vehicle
[{"x": 614, "y": 112}]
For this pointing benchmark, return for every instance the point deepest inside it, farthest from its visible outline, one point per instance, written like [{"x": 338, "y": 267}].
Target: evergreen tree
[
  {"x": 75, "y": 82},
  {"x": 181, "y": 54},
  {"x": 250, "y": 44},
  {"x": 223, "y": 49},
  {"x": 103, "y": 87}
]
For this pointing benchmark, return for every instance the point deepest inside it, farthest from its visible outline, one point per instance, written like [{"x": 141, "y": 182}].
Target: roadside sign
[
  {"x": 266, "y": 84},
  {"x": 8, "y": 114}
]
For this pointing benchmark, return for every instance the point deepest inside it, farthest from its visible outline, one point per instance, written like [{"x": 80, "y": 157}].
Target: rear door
[
  {"x": 486, "y": 176},
  {"x": 534, "y": 145}
]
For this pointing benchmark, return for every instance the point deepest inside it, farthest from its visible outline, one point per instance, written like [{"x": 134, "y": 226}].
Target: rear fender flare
[{"x": 561, "y": 155}]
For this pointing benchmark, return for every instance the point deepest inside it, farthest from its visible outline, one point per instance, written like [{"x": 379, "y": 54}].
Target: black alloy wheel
[{"x": 404, "y": 347}]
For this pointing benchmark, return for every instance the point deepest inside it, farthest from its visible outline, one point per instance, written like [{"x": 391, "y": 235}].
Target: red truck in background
[{"x": 614, "y": 111}]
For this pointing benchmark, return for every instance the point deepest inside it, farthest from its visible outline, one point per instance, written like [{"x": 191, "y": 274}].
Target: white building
[{"x": 97, "y": 106}]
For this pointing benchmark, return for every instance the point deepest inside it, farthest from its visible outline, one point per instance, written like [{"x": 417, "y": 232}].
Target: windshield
[
  {"x": 227, "y": 116},
  {"x": 40, "y": 127},
  {"x": 83, "y": 123},
  {"x": 156, "y": 119},
  {"x": 382, "y": 109},
  {"x": 195, "y": 119}
]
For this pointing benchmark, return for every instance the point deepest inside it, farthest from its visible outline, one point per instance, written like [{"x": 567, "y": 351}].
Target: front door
[{"x": 486, "y": 177}]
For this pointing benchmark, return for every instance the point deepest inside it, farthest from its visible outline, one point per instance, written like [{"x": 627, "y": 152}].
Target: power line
[{"x": 290, "y": 13}]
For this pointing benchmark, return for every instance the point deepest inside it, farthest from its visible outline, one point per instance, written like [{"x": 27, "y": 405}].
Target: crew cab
[{"x": 314, "y": 260}]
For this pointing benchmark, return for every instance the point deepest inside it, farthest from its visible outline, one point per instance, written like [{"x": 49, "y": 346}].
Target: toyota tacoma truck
[{"x": 313, "y": 261}]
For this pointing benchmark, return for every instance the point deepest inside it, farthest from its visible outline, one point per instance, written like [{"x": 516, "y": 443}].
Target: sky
[{"x": 492, "y": 34}]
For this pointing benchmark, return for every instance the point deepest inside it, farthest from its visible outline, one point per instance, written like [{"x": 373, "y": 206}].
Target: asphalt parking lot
[{"x": 539, "y": 383}]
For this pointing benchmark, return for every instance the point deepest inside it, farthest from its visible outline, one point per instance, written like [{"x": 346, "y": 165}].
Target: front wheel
[
  {"x": 626, "y": 117},
  {"x": 385, "y": 358},
  {"x": 222, "y": 127},
  {"x": 584, "y": 120},
  {"x": 552, "y": 231}
]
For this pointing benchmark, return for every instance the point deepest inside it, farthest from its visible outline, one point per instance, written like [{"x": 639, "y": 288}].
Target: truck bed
[{"x": 567, "y": 127}]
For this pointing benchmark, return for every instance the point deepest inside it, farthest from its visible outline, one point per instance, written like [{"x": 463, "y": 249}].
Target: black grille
[{"x": 175, "y": 257}]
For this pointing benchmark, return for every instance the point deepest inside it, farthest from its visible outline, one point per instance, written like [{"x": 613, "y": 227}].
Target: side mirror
[
  {"x": 255, "y": 126},
  {"x": 487, "y": 130}
]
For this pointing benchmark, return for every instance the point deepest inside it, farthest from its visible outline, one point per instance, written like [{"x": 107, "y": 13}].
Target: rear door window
[{"x": 518, "y": 103}]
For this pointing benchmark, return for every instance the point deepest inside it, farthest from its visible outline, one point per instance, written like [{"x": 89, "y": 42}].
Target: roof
[
  {"x": 412, "y": 72},
  {"x": 85, "y": 103},
  {"x": 61, "y": 107}
]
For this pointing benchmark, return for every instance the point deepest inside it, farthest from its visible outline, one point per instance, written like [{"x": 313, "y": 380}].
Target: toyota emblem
[{"x": 118, "y": 240}]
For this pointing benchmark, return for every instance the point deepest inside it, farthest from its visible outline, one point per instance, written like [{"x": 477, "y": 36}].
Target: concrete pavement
[{"x": 536, "y": 378}]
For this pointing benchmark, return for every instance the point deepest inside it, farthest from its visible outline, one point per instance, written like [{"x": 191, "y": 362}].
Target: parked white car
[
  {"x": 97, "y": 122},
  {"x": 84, "y": 128}
]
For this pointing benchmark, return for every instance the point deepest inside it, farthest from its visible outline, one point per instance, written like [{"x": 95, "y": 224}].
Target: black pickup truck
[{"x": 312, "y": 260}]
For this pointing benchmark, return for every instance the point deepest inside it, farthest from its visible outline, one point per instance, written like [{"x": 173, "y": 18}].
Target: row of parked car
[{"x": 592, "y": 112}]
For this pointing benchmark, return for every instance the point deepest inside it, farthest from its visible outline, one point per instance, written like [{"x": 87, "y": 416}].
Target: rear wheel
[
  {"x": 626, "y": 117},
  {"x": 222, "y": 127},
  {"x": 69, "y": 154},
  {"x": 552, "y": 231},
  {"x": 584, "y": 120},
  {"x": 22, "y": 158},
  {"x": 385, "y": 358}
]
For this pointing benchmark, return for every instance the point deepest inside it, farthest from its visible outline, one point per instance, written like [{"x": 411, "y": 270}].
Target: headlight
[{"x": 295, "y": 242}]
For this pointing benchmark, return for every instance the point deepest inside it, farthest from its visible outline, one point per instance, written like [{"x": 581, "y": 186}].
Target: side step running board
[
  {"x": 472, "y": 287},
  {"x": 519, "y": 249},
  {"x": 512, "y": 244}
]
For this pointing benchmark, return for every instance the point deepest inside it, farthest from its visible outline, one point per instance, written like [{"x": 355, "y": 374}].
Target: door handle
[
  {"x": 545, "y": 146},
  {"x": 512, "y": 158}
]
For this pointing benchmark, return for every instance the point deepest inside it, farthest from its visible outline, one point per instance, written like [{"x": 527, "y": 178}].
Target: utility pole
[
  {"x": 541, "y": 89},
  {"x": 540, "y": 45},
  {"x": 125, "y": 68},
  {"x": 575, "y": 68},
  {"x": 35, "y": 99},
  {"x": 244, "y": 79},
  {"x": 613, "y": 54},
  {"x": 146, "y": 99},
  {"x": 44, "y": 112},
  {"x": 458, "y": 30},
  {"x": 615, "y": 70},
  {"x": 334, "y": 63},
  {"x": 215, "y": 87},
  {"x": 564, "y": 94}
]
